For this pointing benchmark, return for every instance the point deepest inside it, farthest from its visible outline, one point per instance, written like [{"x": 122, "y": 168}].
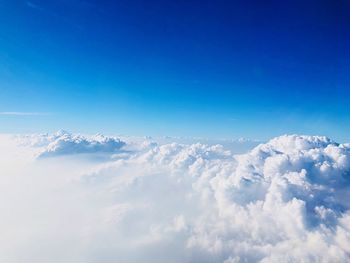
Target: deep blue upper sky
[{"x": 188, "y": 68}]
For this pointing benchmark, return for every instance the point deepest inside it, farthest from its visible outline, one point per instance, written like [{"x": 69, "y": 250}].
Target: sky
[{"x": 218, "y": 69}]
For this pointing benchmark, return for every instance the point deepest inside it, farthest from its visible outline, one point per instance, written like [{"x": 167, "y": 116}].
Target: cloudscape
[
  {"x": 282, "y": 201},
  {"x": 174, "y": 131}
]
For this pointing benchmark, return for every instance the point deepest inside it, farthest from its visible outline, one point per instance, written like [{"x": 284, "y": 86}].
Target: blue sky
[{"x": 181, "y": 68}]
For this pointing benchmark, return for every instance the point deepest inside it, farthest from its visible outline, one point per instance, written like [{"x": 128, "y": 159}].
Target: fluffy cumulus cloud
[
  {"x": 64, "y": 143},
  {"x": 282, "y": 201}
]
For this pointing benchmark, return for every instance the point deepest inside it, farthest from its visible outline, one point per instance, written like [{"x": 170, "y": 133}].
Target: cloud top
[
  {"x": 283, "y": 201},
  {"x": 65, "y": 143},
  {"x": 286, "y": 200}
]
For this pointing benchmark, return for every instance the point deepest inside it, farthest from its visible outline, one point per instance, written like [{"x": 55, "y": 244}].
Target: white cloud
[
  {"x": 283, "y": 201},
  {"x": 18, "y": 113},
  {"x": 64, "y": 143}
]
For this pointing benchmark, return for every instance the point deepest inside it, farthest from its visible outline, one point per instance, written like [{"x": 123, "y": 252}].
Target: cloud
[
  {"x": 54, "y": 13},
  {"x": 283, "y": 201},
  {"x": 64, "y": 143},
  {"x": 34, "y": 6},
  {"x": 18, "y": 113}
]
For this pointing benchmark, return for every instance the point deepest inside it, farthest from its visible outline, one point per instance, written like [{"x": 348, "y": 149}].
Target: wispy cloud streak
[
  {"x": 18, "y": 113},
  {"x": 35, "y": 6},
  {"x": 52, "y": 13}
]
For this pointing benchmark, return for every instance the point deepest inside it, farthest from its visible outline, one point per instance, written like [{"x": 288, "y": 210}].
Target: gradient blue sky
[{"x": 181, "y": 68}]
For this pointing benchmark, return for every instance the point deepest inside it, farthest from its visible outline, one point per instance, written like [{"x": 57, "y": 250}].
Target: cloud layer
[
  {"x": 64, "y": 143},
  {"x": 282, "y": 201}
]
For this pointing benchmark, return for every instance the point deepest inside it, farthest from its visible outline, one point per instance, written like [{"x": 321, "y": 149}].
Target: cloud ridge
[{"x": 285, "y": 200}]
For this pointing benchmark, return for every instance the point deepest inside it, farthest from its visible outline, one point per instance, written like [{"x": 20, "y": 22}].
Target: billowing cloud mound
[
  {"x": 283, "y": 201},
  {"x": 64, "y": 143}
]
